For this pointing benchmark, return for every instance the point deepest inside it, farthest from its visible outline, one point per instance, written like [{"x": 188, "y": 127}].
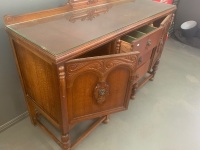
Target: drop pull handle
[
  {"x": 140, "y": 61},
  {"x": 149, "y": 42},
  {"x": 137, "y": 76},
  {"x": 101, "y": 91}
]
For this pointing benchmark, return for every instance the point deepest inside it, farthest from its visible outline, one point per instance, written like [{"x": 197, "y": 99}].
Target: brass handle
[
  {"x": 101, "y": 91},
  {"x": 139, "y": 60},
  {"x": 137, "y": 76},
  {"x": 149, "y": 42}
]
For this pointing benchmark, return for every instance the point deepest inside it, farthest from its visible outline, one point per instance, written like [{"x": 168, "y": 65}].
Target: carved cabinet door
[{"x": 98, "y": 86}]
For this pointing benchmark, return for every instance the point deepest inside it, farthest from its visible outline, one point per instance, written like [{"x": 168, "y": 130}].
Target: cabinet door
[
  {"x": 98, "y": 86},
  {"x": 165, "y": 24}
]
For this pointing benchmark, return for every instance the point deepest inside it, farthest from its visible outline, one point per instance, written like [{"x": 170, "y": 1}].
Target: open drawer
[
  {"x": 99, "y": 85},
  {"x": 142, "y": 40},
  {"x": 147, "y": 37}
]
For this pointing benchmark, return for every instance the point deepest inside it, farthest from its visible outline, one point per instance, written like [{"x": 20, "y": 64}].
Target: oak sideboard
[{"x": 86, "y": 59}]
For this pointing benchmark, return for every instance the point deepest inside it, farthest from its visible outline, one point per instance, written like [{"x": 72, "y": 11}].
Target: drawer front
[
  {"x": 143, "y": 58},
  {"x": 141, "y": 71},
  {"x": 147, "y": 42}
]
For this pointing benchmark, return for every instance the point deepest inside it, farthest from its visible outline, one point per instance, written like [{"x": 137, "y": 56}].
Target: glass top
[{"x": 64, "y": 32}]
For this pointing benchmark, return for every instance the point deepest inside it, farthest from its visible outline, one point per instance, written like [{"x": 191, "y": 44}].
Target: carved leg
[
  {"x": 106, "y": 120},
  {"x": 155, "y": 68},
  {"x": 31, "y": 111},
  {"x": 65, "y": 139},
  {"x": 134, "y": 89}
]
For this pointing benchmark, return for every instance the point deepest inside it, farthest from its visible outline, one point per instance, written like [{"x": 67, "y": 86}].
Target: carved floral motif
[
  {"x": 101, "y": 91},
  {"x": 89, "y": 14},
  {"x": 100, "y": 67}
]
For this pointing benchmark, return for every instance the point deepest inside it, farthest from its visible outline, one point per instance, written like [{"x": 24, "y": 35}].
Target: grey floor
[{"x": 164, "y": 116}]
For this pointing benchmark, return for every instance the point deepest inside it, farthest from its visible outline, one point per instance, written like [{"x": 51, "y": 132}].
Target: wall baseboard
[{"x": 13, "y": 121}]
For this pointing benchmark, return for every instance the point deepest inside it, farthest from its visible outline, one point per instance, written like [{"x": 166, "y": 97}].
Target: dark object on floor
[
  {"x": 189, "y": 28},
  {"x": 192, "y": 41}
]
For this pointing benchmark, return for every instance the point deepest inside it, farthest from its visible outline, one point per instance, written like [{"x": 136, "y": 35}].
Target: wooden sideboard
[{"x": 86, "y": 59}]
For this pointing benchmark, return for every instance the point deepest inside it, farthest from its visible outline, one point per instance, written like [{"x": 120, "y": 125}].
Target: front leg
[
  {"x": 65, "y": 141},
  {"x": 134, "y": 89},
  {"x": 155, "y": 68},
  {"x": 106, "y": 120}
]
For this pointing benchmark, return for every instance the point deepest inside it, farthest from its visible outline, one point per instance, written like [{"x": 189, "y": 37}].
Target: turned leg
[
  {"x": 134, "y": 89},
  {"x": 155, "y": 68},
  {"x": 65, "y": 139},
  {"x": 118, "y": 46},
  {"x": 106, "y": 120}
]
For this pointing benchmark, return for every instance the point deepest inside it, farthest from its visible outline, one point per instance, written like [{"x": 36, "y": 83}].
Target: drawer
[
  {"x": 143, "y": 58},
  {"x": 141, "y": 71},
  {"x": 142, "y": 40},
  {"x": 125, "y": 44},
  {"x": 125, "y": 47},
  {"x": 148, "y": 41}
]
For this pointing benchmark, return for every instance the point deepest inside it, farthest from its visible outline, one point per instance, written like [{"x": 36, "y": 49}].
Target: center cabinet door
[{"x": 98, "y": 86}]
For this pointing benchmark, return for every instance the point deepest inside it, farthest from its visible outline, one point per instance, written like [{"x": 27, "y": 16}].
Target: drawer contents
[
  {"x": 147, "y": 29},
  {"x": 128, "y": 38},
  {"x": 136, "y": 34}
]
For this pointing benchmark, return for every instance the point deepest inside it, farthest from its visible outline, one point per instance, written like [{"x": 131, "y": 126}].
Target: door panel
[{"x": 98, "y": 86}]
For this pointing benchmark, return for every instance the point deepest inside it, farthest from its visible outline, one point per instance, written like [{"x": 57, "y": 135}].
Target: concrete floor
[{"x": 164, "y": 116}]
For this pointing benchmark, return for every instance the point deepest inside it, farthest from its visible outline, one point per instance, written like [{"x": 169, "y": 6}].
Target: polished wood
[
  {"x": 75, "y": 64},
  {"x": 98, "y": 75}
]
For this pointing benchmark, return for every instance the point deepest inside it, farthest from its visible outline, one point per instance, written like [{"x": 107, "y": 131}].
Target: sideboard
[{"x": 86, "y": 59}]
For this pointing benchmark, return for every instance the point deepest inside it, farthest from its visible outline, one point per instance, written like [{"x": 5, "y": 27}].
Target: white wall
[{"x": 11, "y": 97}]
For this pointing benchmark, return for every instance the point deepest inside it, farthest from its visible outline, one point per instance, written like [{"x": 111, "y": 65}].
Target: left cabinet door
[{"x": 98, "y": 86}]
